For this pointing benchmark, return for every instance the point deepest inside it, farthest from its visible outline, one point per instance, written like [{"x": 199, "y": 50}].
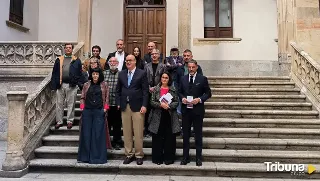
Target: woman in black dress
[{"x": 163, "y": 122}]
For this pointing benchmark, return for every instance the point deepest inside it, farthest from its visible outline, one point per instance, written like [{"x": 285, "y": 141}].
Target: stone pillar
[
  {"x": 17, "y": 97},
  {"x": 184, "y": 25},
  {"x": 85, "y": 25},
  {"x": 286, "y": 33}
]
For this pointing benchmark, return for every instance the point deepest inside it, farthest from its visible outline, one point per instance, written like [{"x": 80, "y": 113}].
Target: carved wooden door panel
[
  {"x": 156, "y": 27},
  {"x": 143, "y": 25},
  {"x": 134, "y": 37}
]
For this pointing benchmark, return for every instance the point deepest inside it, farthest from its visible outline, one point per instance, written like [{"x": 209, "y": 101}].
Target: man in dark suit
[
  {"x": 132, "y": 98},
  {"x": 173, "y": 62},
  {"x": 119, "y": 54},
  {"x": 148, "y": 57},
  {"x": 194, "y": 90},
  {"x": 183, "y": 70}
]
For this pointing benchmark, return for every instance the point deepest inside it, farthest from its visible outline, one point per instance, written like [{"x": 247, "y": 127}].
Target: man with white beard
[{"x": 114, "y": 114}]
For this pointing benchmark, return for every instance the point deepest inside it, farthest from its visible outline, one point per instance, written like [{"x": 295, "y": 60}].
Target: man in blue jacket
[{"x": 66, "y": 78}]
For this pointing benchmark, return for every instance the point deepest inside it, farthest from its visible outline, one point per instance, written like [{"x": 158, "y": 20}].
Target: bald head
[
  {"x": 151, "y": 46},
  {"x": 130, "y": 62}
]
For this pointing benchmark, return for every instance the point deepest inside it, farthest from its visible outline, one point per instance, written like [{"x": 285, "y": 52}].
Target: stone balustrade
[
  {"x": 305, "y": 71},
  {"x": 19, "y": 58},
  {"x": 29, "y": 118}
]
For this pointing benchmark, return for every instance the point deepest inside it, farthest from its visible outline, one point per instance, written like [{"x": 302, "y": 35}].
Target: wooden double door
[{"x": 145, "y": 24}]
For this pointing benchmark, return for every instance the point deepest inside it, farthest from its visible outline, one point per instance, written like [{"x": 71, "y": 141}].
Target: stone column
[
  {"x": 184, "y": 25},
  {"x": 286, "y": 33},
  {"x": 85, "y": 25},
  {"x": 17, "y": 97}
]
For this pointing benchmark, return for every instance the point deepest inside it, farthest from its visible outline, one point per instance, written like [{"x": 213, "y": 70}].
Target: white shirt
[
  {"x": 120, "y": 58},
  {"x": 132, "y": 72},
  {"x": 194, "y": 78}
]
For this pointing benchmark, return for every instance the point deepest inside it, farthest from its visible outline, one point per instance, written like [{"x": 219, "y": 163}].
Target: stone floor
[
  {"x": 108, "y": 177},
  {"x": 96, "y": 177}
]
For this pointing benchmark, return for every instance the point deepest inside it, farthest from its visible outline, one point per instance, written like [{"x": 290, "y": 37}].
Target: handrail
[{"x": 305, "y": 71}]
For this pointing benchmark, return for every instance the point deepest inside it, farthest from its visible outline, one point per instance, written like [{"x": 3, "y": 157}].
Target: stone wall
[
  {"x": 5, "y": 84},
  {"x": 308, "y": 27}
]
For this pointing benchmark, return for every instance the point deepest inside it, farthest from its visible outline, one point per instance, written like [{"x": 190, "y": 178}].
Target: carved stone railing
[
  {"x": 29, "y": 57},
  {"x": 38, "y": 114},
  {"x": 305, "y": 71}
]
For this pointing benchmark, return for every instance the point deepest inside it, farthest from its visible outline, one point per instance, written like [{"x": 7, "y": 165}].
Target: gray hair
[{"x": 157, "y": 50}]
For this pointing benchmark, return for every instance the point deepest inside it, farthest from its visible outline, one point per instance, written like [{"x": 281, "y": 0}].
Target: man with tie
[
  {"x": 132, "y": 99},
  {"x": 194, "y": 90}
]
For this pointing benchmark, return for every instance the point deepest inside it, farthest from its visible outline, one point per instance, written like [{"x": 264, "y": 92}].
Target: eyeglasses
[
  {"x": 165, "y": 77},
  {"x": 129, "y": 61}
]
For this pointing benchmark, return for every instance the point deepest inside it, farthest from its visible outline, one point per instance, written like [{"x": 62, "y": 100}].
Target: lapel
[
  {"x": 149, "y": 67},
  {"x": 125, "y": 78},
  {"x": 196, "y": 80}
]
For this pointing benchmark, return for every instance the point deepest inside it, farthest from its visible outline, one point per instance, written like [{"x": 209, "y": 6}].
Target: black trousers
[
  {"x": 197, "y": 120},
  {"x": 164, "y": 142},
  {"x": 114, "y": 121}
]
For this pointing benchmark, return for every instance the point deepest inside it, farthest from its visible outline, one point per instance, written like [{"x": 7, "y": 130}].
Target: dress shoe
[
  {"x": 198, "y": 162},
  {"x": 185, "y": 161},
  {"x": 168, "y": 162},
  {"x": 69, "y": 126},
  {"x": 128, "y": 160},
  {"x": 139, "y": 161},
  {"x": 57, "y": 126}
]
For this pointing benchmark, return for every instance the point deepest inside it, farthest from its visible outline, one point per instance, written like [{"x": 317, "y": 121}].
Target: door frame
[{"x": 146, "y": 6}]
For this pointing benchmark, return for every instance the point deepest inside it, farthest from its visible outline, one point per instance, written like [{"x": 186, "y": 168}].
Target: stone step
[
  {"x": 209, "y": 169},
  {"x": 220, "y": 132},
  {"x": 247, "y": 84},
  {"x": 282, "y": 133},
  {"x": 259, "y": 105},
  {"x": 224, "y": 155},
  {"x": 257, "y": 98},
  {"x": 241, "y": 105},
  {"x": 211, "y": 143},
  {"x": 261, "y": 123},
  {"x": 252, "y": 123},
  {"x": 255, "y": 91},
  {"x": 263, "y": 114},
  {"x": 249, "y": 78}
]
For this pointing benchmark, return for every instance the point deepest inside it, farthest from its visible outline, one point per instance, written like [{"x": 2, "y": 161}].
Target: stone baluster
[{"x": 17, "y": 97}]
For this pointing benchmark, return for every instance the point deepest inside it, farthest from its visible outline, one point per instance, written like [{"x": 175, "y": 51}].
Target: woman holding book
[{"x": 163, "y": 121}]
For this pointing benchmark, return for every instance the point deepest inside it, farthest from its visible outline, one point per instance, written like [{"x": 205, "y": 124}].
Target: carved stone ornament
[
  {"x": 30, "y": 53},
  {"x": 307, "y": 71},
  {"x": 38, "y": 108}
]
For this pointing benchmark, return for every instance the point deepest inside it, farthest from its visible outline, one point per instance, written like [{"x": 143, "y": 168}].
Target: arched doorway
[{"x": 145, "y": 21}]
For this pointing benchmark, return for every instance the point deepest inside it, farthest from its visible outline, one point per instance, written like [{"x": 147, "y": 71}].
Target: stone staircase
[{"x": 248, "y": 121}]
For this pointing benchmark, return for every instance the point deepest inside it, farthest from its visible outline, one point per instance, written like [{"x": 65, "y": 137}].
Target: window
[
  {"x": 145, "y": 2},
  {"x": 16, "y": 11},
  {"x": 218, "y": 18}
]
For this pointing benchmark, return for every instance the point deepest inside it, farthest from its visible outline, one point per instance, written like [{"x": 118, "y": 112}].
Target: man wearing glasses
[{"x": 132, "y": 100}]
